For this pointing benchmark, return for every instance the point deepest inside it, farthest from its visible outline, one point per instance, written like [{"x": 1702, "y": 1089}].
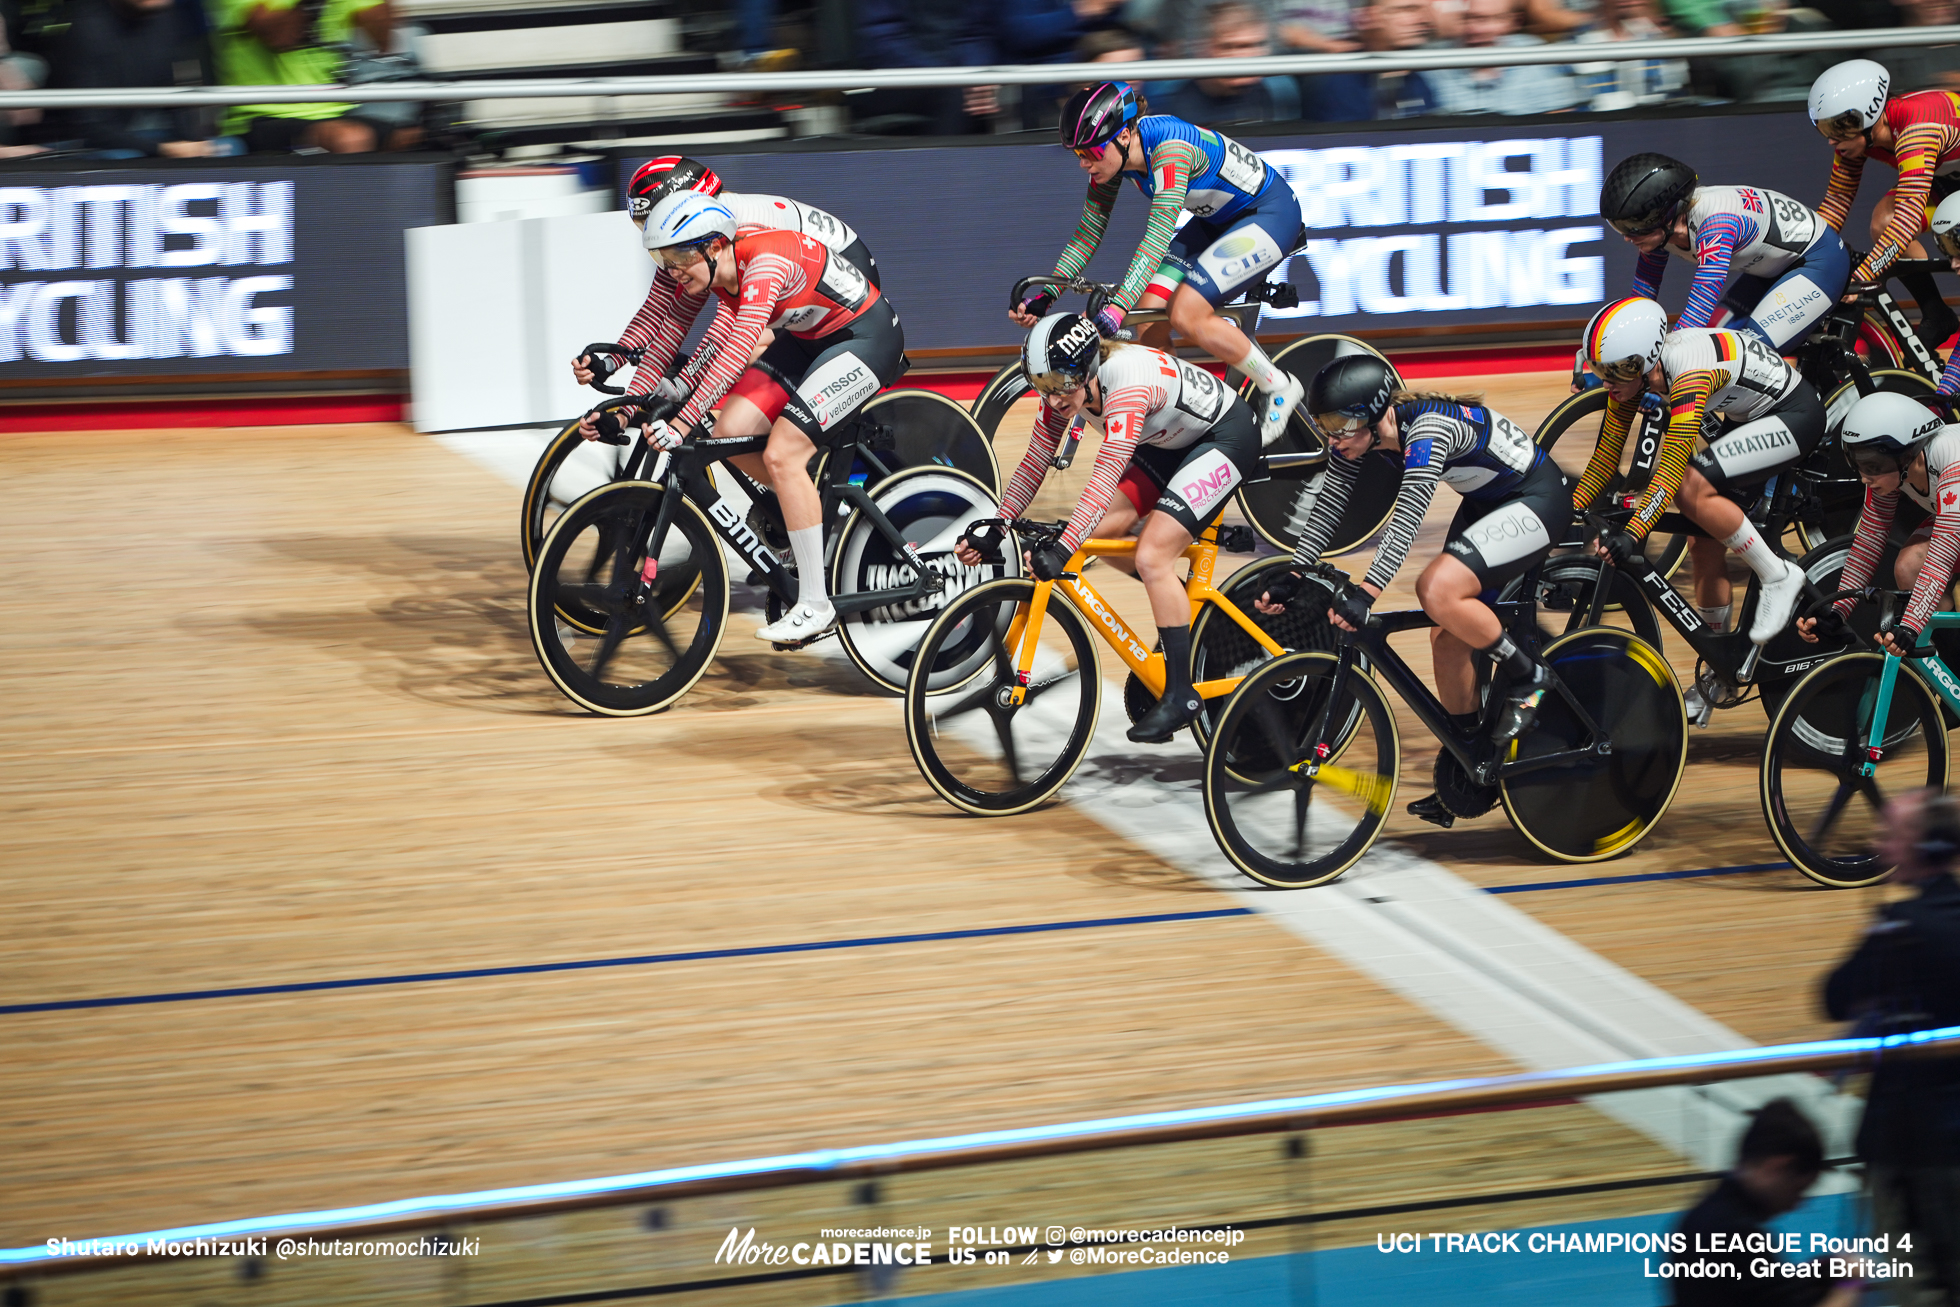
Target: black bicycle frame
[{"x": 1470, "y": 747}]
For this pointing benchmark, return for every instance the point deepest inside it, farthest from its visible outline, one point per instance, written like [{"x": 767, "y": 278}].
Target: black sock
[
  {"x": 1466, "y": 721},
  {"x": 1515, "y": 661},
  {"x": 1177, "y": 661},
  {"x": 1933, "y": 310}
]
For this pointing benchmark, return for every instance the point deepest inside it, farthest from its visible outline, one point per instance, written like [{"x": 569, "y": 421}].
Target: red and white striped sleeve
[
  {"x": 659, "y": 327},
  {"x": 1049, "y": 427},
  {"x": 1867, "y": 546},
  {"x": 1936, "y": 573},
  {"x": 727, "y": 349},
  {"x": 1124, "y": 411}
]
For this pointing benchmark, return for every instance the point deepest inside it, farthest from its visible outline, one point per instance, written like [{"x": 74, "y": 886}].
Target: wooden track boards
[{"x": 293, "y": 731}]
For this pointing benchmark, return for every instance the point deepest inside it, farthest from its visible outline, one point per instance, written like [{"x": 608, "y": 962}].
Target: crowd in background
[{"x": 145, "y": 43}]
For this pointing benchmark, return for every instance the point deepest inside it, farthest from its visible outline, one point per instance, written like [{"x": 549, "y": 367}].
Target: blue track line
[
  {"x": 1629, "y": 880},
  {"x": 645, "y": 960}
]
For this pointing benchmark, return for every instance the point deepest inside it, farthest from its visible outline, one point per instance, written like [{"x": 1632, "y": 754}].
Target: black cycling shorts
[
  {"x": 1194, "y": 483},
  {"x": 858, "y": 255},
  {"x": 1502, "y": 539},
  {"x": 817, "y": 382},
  {"x": 1752, "y": 452}
]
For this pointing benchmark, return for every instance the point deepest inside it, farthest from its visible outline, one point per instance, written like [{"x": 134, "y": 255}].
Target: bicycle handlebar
[
  {"x": 625, "y": 353},
  {"x": 1099, "y": 292},
  {"x": 610, "y": 419}
]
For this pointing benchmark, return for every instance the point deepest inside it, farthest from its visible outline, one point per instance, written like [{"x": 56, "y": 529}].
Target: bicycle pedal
[
  {"x": 1432, "y": 809},
  {"x": 803, "y": 644}
]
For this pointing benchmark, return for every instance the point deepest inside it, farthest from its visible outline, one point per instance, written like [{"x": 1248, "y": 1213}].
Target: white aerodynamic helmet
[
  {"x": 1884, "y": 430},
  {"x": 1624, "y": 339},
  {"x": 1848, "y": 97},
  {"x": 686, "y": 220},
  {"x": 1945, "y": 226}
]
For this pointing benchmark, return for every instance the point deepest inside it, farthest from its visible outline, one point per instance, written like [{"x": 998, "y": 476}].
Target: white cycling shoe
[
  {"x": 1279, "y": 406},
  {"x": 803, "y": 622},
  {"x": 1775, "y": 602}
]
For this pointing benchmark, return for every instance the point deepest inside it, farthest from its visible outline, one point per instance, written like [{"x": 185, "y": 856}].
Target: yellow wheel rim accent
[{"x": 1373, "y": 789}]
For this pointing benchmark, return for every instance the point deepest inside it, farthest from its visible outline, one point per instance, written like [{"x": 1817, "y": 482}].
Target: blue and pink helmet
[{"x": 1093, "y": 117}]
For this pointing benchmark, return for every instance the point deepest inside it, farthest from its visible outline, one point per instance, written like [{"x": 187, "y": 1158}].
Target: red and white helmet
[{"x": 670, "y": 174}]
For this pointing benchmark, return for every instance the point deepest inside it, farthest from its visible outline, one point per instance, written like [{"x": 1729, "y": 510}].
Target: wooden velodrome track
[{"x": 273, "y": 718}]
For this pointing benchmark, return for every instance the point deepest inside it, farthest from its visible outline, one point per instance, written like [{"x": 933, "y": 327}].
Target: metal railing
[
  {"x": 1398, "y": 1103},
  {"x": 1020, "y": 74}
]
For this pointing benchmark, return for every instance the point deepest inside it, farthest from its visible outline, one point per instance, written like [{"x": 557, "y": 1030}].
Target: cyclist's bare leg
[
  {"x": 740, "y": 417},
  {"x": 787, "y": 461},
  {"x": 1158, "y": 334},
  {"x": 1159, "y": 549},
  {"x": 1448, "y": 591},
  {"x": 1912, "y": 557},
  {"x": 1194, "y": 319},
  {"x": 1711, "y": 570},
  {"x": 1118, "y": 521}
]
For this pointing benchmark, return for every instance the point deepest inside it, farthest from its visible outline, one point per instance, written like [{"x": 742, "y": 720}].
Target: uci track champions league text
[
  {"x": 144, "y": 271},
  {"x": 1473, "y": 184}
]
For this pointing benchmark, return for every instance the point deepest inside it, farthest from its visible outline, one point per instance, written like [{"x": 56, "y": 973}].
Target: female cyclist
[
  {"x": 1791, "y": 265},
  {"x": 665, "y": 318},
  {"x": 1901, "y": 450},
  {"x": 1945, "y": 227},
  {"x": 836, "y": 343},
  {"x": 1192, "y": 440},
  {"x": 1516, "y": 506},
  {"x": 1245, "y": 221},
  {"x": 1705, "y": 373},
  {"x": 1919, "y": 135}
]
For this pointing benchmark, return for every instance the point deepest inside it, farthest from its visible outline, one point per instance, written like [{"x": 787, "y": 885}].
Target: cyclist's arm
[
  {"x": 1605, "y": 460},
  {"x": 1123, "y": 413},
  {"x": 1049, "y": 427},
  {"x": 1422, "y": 468},
  {"x": 1936, "y": 573},
  {"x": 1843, "y": 188},
  {"x": 1867, "y": 545},
  {"x": 1918, "y": 152},
  {"x": 1174, "y": 163},
  {"x": 1089, "y": 229},
  {"x": 1714, "y": 251},
  {"x": 1687, "y": 401},
  {"x": 762, "y": 286},
  {"x": 1328, "y": 499},
  {"x": 659, "y": 327},
  {"x": 1950, "y": 378},
  {"x": 1647, "y": 274}
]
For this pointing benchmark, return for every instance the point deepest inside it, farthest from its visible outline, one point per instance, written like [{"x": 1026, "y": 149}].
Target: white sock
[
  {"x": 1763, "y": 561},
  {"x": 807, "y": 545},
  {"x": 1262, "y": 370},
  {"x": 1717, "y": 617}
]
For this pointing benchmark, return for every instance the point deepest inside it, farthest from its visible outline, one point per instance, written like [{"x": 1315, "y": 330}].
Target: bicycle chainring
[
  {"x": 1137, "y": 698},
  {"x": 1714, "y": 690},
  {"x": 1459, "y": 793}
]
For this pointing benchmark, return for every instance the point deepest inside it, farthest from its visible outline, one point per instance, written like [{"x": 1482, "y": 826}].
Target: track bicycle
[
  {"x": 927, "y": 430},
  {"x": 1855, "y": 715},
  {"x": 1276, "y": 506},
  {"x": 1301, "y": 773},
  {"x": 629, "y": 599},
  {"x": 1008, "y": 739}
]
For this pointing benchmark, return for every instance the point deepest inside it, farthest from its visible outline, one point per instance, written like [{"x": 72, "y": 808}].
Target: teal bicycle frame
[{"x": 1932, "y": 669}]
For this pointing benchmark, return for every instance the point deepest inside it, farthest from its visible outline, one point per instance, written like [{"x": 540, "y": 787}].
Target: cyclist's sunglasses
[
  {"x": 1844, "y": 127},
  {"x": 1093, "y": 154},
  {"x": 1057, "y": 383},
  {"x": 1339, "y": 426},
  {"x": 1626, "y": 369},
  {"x": 679, "y": 258},
  {"x": 1948, "y": 241},
  {"x": 1638, "y": 227},
  {"x": 1874, "y": 463}
]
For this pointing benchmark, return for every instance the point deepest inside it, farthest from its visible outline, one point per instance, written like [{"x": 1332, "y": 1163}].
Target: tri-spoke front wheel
[
  {"x": 1824, "y": 811},
  {"x": 979, "y": 748}
]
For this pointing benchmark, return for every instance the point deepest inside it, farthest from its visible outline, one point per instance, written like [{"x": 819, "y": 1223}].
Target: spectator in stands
[
  {"x": 1112, "y": 45},
  {"x": 19, "y": 71},
  {"x": 301, "y": 43},
  {"x": 1922, "y": 67},
  {"x": 1779, "y": 1158},
  {"x": 1607, "y": 86},
  {"x": 1520, "y": 88},
  {"x": 1047, "y": 32},
  {"x": 1702, "y": 18},
  {"x": 1315, "y": 26},
  {"x": 1238, "y": 30},
  {"x": 1905, "y": 976},
  {"x": 1361, "y": 97},
  {"x": 1775, "y": 77},
  {"x": 119, "y": 44},
  {"x": 925, "y": 34}
]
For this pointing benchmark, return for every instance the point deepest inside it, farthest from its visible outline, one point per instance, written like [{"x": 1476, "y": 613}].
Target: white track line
[{"x": 1491, "y": 971}]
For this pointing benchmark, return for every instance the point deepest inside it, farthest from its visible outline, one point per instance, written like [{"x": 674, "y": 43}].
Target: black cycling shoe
[
  {"x": 1520, "y": 707},
  {"x": 1434, "y": 811},
  {"x": 1166, "y": 719}
]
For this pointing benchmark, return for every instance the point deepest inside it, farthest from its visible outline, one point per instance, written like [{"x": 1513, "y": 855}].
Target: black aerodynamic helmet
[
  {"x": 1094, "y": 116},
  {"x": 1060, "y": 353},
  {"x": 1351, "y": 393},
  {"x": 1645, "y": 192}
]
